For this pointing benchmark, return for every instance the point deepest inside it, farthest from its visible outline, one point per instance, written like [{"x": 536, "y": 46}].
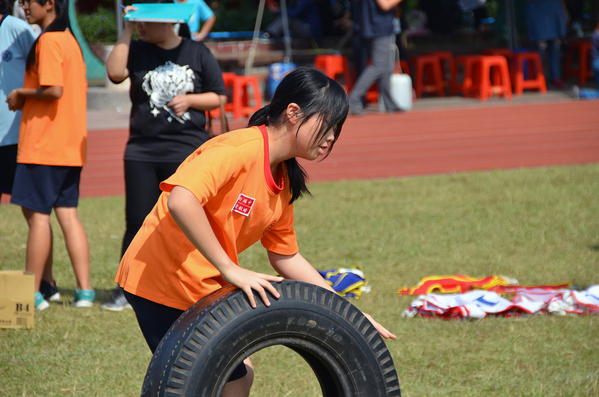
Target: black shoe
[
  {"x": 117, "y": 301},
  {"x": 49, "y": 291}
]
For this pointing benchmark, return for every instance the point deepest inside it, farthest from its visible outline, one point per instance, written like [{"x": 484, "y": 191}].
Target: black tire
[{"x": 200, "y": 351}]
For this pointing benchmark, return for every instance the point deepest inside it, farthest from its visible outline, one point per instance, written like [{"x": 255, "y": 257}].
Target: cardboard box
[{"x": 17, "y": 303}]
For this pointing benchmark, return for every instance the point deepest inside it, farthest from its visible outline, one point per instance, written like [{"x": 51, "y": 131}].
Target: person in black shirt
[{"x": 174, "y": 81}]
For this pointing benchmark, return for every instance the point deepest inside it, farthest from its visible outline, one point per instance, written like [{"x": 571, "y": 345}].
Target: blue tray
[{"x": 161, "y": 12}]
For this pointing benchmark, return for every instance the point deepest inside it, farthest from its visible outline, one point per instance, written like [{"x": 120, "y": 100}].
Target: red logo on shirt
[{"x": 244, "y": 205}]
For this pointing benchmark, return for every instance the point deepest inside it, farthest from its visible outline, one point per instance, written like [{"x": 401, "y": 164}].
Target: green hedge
[{"x": 99, "y": 27}]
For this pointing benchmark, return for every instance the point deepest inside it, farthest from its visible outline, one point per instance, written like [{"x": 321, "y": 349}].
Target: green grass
[{"x": 540, "y": 226}]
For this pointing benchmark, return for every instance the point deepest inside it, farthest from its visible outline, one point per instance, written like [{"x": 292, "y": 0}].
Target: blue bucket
[{"x": 276, "y": 73}]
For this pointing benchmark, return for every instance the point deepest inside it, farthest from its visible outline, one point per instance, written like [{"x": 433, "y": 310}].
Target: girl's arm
[
  {"x": 116, "y": 64},
  {"x": 16, "y": 98},
  {"x": 296, "y": 267},
  {"x": 190, "y": 216},
  {"x": 206, "y": 28}
]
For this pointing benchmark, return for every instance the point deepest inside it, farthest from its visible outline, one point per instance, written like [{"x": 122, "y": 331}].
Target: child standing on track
[
  {"x": 16, "y": 38},
  {"x": 52, "y": 147},
  {"x": 233, "y": 191}
]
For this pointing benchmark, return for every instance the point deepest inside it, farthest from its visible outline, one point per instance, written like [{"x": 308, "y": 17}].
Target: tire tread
[{"x": 184, "y": 353}]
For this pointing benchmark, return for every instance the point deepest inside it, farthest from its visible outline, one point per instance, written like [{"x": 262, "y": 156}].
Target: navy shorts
[
  {"x": 43, "y": 187},
  {"x": 8, "y": 167}
]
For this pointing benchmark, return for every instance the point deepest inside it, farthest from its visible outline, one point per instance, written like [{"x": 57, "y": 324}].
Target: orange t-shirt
[
  {"x": 230, "y": 176},
  {"x": 54, "y": 132}
]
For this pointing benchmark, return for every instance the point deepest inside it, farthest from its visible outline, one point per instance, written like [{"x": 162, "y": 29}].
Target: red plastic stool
[
  {"x": 334, "y": 66},
  {"x": 470, "y": 73},
  {"x": 429, "y": 78},
  {"x": 583, "y": 71},
  {"x": 494, "y": 77},
  {"x": 240, "y": 98},
  {"x": 448, "y": 71},
  {"x": 228, "y": 78},
  {"x": 536, "y": 77},
  {"x": 506, "y": 52}
]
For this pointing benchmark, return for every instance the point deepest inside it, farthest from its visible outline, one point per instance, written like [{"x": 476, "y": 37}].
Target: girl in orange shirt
[
  {"x": 52, "y": 148},
  {"x": 233, "y": 191}
]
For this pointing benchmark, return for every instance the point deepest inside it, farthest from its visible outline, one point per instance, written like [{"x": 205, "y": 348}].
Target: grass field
[{"x": 540, "y": 226}]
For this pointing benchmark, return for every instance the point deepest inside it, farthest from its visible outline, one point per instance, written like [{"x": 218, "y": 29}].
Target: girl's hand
[
  {"x": 179, "y": 104},
  {"x": 296, "y": 267},
  {"x": 382, "y": 330},
  {"x": 15, "y": 100},
  {"x": 128, "y": 24},
  {"x": 248, "y": 280},
  {"x": 197, "y": 36}
]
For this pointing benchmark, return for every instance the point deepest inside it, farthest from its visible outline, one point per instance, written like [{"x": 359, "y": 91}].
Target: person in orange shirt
[
  {"x": 233, "y": 191},
  {"x": 52, "y": 148}
]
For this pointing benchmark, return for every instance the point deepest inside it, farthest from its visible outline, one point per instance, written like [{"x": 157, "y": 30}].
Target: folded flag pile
[
  {"x": 455, "y": 283},
  {"x": 480, "y": 304},
  {"x": 458, "y": 283},
  {"x": 349, "y": 283}
]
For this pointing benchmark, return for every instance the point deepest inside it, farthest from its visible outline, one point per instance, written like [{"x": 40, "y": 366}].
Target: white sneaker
[
  {"x": 84, "y": 298},
  {"x": 40, "y": 302}
]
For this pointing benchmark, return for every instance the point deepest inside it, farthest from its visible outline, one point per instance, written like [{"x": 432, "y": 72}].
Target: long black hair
[
  {"x": 60, "y": 24},
  {"x": 317, "y": 96}
]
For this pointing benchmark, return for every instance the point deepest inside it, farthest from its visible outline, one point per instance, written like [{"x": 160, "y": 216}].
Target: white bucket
[{"x": 401, "y": 90}]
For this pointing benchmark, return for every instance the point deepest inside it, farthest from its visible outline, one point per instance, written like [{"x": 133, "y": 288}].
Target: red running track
[
  {"x": 463, "y": 140},
  {"x": 420, "y": 142}
]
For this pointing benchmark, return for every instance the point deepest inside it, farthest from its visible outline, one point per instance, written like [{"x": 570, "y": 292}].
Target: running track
[{"x": 419, "y": 142}]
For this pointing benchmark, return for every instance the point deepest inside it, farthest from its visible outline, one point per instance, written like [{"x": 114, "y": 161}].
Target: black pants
[
  {"x": 155, "y": 320},
  {"x": 8, "y": 167},
  {"x": 142, "y": 180}
]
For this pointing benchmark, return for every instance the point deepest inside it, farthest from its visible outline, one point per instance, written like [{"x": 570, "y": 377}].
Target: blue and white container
[{"x": 276, "y": 73}]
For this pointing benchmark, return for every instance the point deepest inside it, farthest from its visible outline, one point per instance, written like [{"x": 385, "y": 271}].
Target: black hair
[
  {"x": 6, "y": 7},
  {"x": 184, "y": 31},
  {"x": 60, "y": 24},
  {"x": 317, "y": 96}
]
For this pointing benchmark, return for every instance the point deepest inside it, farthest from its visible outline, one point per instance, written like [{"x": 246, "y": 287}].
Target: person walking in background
[
  {"x": 203, "y": 16},
  {"x": 174, "y": 80},
  {"x": 16, "y": 38},
  {"x": 232, "y": 192},
  {"x": 52, "y": 146},
  {"x": 546, "y": 22},
  {"x": 373, "y": 21}
]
